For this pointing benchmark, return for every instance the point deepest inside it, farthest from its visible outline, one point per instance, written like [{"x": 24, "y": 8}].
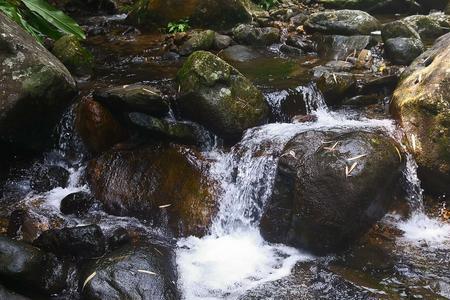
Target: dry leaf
[
  {"x": 357, "y": 157},
  {"x": 88, "y": 279},
  {"x": 165, "y": 205},
  {"x": 147, "y": 272}
]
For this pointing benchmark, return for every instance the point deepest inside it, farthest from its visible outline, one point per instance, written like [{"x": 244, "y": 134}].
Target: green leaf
[
  {"x": 55, "y": 17},
  {"x": 17, "y": 16}
]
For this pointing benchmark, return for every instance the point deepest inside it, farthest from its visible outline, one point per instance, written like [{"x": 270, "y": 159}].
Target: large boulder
[
  {"x": 429, "y": 26},
  {"x": 403, "y": 51},
  {"x": 27, "y": 266},
  {"x": 342, "y": 22},
  {"x": 216, "y": 95},
  {"x": 156, "y": 183},
  {"x": 35, "y": 88},
  {"x": 146, "y": 272},
  {"x": 330, "y": 187},
  {"x": 421, "y": 103},
  {"x": 220, "y": 14}
]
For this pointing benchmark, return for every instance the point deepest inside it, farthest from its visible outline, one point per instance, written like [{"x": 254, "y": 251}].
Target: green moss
[{"x": 73, "y": 55}]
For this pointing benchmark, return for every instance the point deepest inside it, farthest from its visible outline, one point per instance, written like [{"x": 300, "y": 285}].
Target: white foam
[
  {"x": 223, "y": 267},
  {"x": 420, "y": 230}
]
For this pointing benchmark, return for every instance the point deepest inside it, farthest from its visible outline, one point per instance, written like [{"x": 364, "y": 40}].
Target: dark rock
[
  {"x": 158, "y": 184},
  {"x": 339, "y": 47},
  {"x": 403, "y": 51},
  {"x": 430, "y": 26},
  {"x": 98, "y": 128},
  {"x": 73, "y": 55},
  {"x": 362, "y": 100},
  {"x": 238, "y": 53},
  {"x": 421, "y": 104},
  {"x": 299, "y": 19},
  {"x": 289, "y": 50},
  {"x": 397, "y": 29},
  {"x": 146, "y": 272},
  {"x": 250, "y": 35},
  {"x": 26, "y": 225},
  {"x": 335, "y": 86},
  {"x": 301, "y": 42},
  {"x": 24, "y": 265},
  {"x": 49, "y": 177},
  {"x": 9, "y": 295},
  {"x": 216, "y": 95},
  {"x": 83, "y": 241},
  {"x": 342, "y": 22},
  {"x": 76, "y": 203},
  {"x": 203, "y": 40},
  {"x": 222, "y": 41},
  {"x": 330, "y": 187},
  {"x": 133, "y": 98},
  {"x": 36, "y": 88},
  {"x": 118, "y": 238}
]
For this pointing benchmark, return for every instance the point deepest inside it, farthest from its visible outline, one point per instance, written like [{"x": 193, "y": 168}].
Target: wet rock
[
  {"x": 73, "y": 55},
  {"x": 238, "y": 53},
  {"x": 216, "y": 95},
  {"x": 76, "y": 203},
  {"x": 184, "y": 133},
  {"x": 221, "y": 41},
  {"x": 83, "y": 241},
  {"x": 397, "y": 29},
  {"x": 299, "y": 19},
  {"x": 335, "y": 86},
  {"x": 9, "y": 295},
  {"x": 36, "y": 88},
  {"x": 156, "y": 183},
  {"x": 362, "y": 100},
  {"x": 217, "y": 14},
  {"x": 386, "y": 6},
  {"x": 339, "y": 47},
  {"x": 26, "y": 225},
  {"x": 146, "y": 272},
  {"x": 118, "y": 238},
  {"x": 133, "y": 98},
  {"x": 26, "y": 266},
  {"x": 49, "y": 177},
  {"x": 248, "y": 34},
  {"x": 421, "y": 104},
  {"x": 97, "y": 127},
  {"x": 330, "y": 187},
  {"x": 430, "y": 26},
  {"x": 203, "y": 40},
  {"x": 289, "y": 50},
  {"x": 403, "y": 51},
  {"x": 301, "y": 42},
  {"x": 342, "y": 22}
]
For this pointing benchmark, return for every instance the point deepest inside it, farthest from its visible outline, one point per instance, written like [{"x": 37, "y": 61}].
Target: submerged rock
[
  {"x": 216, "y": 95},
  {"x": 330, "y": 187},
  {"x": 421, "y": 103},
  {"x": 342, "y": 22},
  {"x": 36, "y": 88},
  {"x": 82, "y": 241},
  {"x": 146, "y": 272},
  {"x": 238, "y": 53},
  {"x": 156, "y": 183},
  {"x": 73, "y": 55},
  {"x": 97, "y": 127},
  {"x": 250, "y": 35},
  {"x": 403, "y": 51},
  {"x": 27, "y": 266}
]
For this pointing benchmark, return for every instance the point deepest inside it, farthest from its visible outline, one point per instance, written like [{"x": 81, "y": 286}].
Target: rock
[
  {"x": 335, "y": 86},
  {"x": 216, "y": 95},
  {"x": 156, "y": 183},
  {"x": 299, "y": 19},
  {"x": 27, "y": 266},
  {"x": 76, "y": 203},
  {"x": 73, "y": 55},
  {"x": 430, "y": 26},
  {"x": 82, "y": 241},
  {"x": 339, "y": 47},
  {"x": 397, "y": 29},
  {"x": 386, "y": 6},
  {"x": 26, "y": 225},
  {"x": 183, "y": 133},
  {"x": 250, "y": 35},
  {"x": 36, "y": 88},
  {"x": 203, "y": 40},
  {"x": 238, "y": 53},
  {"x": 217, "y": 14},
  {"x": 290, "y": 50},
  {"x": 119, "y": 237},
  {"x": 97, "y": 127},
  {"x": 8, "y": 295},
  {"x": 322, "y": 201},
  {"x": 221, "y": 41},
  {"x": 301, "y": 42},
  {"x": 47, "y": 178},
  {"x": 362, "y": 100},
  {"x": 421, "y": 104},
  {"x": 342, "y": 22},
  {"x": 403, "y": 51},
  {"x": 146, "y": 272},
  {"x": 133, "y": 98}
]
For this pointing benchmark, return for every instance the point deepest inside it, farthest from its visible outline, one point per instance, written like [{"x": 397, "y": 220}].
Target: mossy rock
[
  {"x": 216, "y": 95},
  {"x": 429, "y": 26},
  {"x": 203, "y": 40},
  {"x": 421, "y": 103},
  {"x": 397, "y": 29},
  {"x": 73, "y": 55}
]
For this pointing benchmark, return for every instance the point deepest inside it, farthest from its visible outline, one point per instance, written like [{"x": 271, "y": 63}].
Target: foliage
[
  {"x": 180, "y": 26},
  {"x": 41, "y": 19},
  {"x": 267, "y": 4}
]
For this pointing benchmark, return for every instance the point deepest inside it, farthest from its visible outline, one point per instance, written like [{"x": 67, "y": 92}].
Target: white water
[{"x": 234, "y": 257}]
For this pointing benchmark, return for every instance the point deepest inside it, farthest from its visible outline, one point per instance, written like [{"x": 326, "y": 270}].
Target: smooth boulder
[
  {"x": 216, "y": 95},
  {"x": 330, "y": 187},
  {"x": 156, "y": 183},
  {"x": 36, "y": 88},
  {"x": 248, "y": 34},
  {"x": 403, "y": 51},
  {"x": 421, "y": 103}
]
